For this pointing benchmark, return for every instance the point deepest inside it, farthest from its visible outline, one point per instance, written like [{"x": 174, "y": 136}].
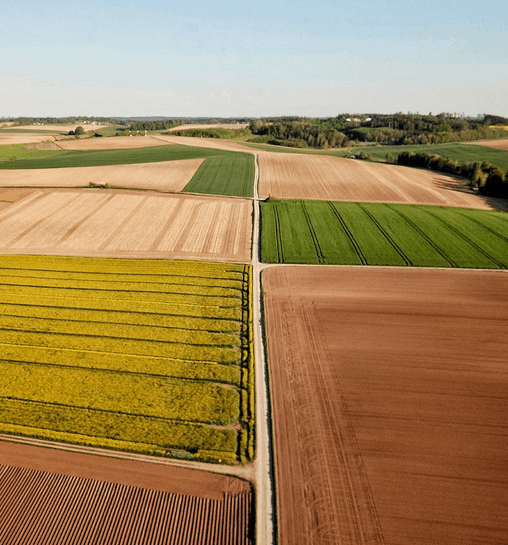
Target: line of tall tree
[
  {"x": 216, "y": 132},
  {"x": 394, "y": 129},
  {"x": 159, "y": 125},
  {"x": 488, "y": 179}
]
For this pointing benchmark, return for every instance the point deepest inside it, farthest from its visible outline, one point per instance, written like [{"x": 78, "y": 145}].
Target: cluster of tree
[
  {"x": 393, "y": 129},
  {"x": 483, "y": 176},
  {"x": 71, "y": 120},
  {"x": 299, "y": 133},
  {"x": 211, "y": 133},
  {"x": 159, "y": 125}
]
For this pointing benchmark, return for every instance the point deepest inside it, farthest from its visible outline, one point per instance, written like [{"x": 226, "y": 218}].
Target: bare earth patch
[
  {"x": 497, "y": 144},
  {"x": 81, "y": 499},
  {"x": 112, "y": 142},
  {"x": 170, "y": 176},
  {"x": 292, "y": 176},
  {"x": 390, "y": 404},
  {"x": 106, "y": 223}
]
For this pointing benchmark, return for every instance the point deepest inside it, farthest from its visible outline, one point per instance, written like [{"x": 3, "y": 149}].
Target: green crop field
[
  {"x": 15, "y": 152},
  {"x": 222, "y": 173},
  {"x": 458, "y": 152},
  {"x": 382, "y": 234},
  {"x": 140, "y": 355}
]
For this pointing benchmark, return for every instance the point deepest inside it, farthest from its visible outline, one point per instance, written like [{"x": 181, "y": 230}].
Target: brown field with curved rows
[
  {"x": 9, "y": 139},
  {"x": 497, "y": 144},
  {"x": 390, "y": 404},
  {"x": 97, "y": 500},
  {"x": 171, "y": 176},
  {"x": 116, "y": 142},
  {"x": 108, "y": 223},
  {"x": 298, "y": 176}
]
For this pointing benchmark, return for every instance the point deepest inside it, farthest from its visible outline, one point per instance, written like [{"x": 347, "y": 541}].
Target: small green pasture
[
  {"x": 382, "y": 234},
  {"x": 138, "y": 355},
  {"x": 14, "y": 152}
]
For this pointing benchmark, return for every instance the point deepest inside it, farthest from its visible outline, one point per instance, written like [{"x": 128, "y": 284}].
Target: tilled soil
[
  {"x": 292, "y": 176},
  {"x": 390, "y": 404}
]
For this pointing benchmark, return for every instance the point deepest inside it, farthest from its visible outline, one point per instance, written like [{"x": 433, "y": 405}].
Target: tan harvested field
[
  {"x": 390, "y": 404},
  {"x": 85, "y": 500},
  {"x": 112, "y": 142},
  {"x": 170, "y": 176},
  {"x": 211, "y": 126},
  {"x": 213, "y": 143},
  {"x": 8, "y": 139},
  {"x": 107, "y": 223},
  {"x": 295, "y": 176},
  {"x": 497, "y": 144},
  {"x": 60, "y": 128}
]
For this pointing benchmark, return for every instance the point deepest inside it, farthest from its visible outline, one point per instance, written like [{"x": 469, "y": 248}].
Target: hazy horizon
[{"x": 198, "y": 59}]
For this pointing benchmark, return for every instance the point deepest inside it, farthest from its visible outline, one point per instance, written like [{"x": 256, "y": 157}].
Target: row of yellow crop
[
  {"x": 116, "y": 317},
  {"x": 146, "y": 395},
  {"x": 126, "y": 363},
  {"x": 133, "y": 297},
  {"x": 183, "y": 306},
  {"x": 122, "y": 266},
  {"x": 123, "y": 346},
  {"x": 136, "y": 288},
  {"x": 118, "y": 331},
  {"x": 113, "y": 278},
  {"x": 113, "y": 430}
]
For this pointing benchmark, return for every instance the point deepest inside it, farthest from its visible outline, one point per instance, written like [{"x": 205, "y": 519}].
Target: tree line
[
  {"x": 394, "y": 129},
  {"x": 483, "y": 176}
]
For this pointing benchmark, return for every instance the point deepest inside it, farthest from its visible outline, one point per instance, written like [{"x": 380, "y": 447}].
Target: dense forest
[{"x": 394, "y": 129}]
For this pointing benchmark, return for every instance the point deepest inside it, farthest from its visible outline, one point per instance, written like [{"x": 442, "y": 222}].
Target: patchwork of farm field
[
  {"x": 107, "y": 223},
  {"x": 496, "y": 144},
  {"x": 290, "y": 176},
  {"x": 207, "y": 143},
  {"x": 383, "y": 234},
  {"x": 390, "y": 396},
  {"x": 170, "y": 176},
  {"x": 144, "y": 356},
  {"x": 222, "y": 172}
]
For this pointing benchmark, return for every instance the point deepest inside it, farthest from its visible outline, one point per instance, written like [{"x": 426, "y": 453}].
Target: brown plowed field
[
  {"x": 213, "y": 143},
  {"x": 59, "y": 128},
  {"x": 293, "y": 176},
  {"x": 170, "y": 176},
  {"x": 116, "y": 142},
  {"x": 106, "y": 223},
  {"x": 390, "y": 405},
  {"x": 497, "y": 144},
  {"x": 90, "y": 500}
]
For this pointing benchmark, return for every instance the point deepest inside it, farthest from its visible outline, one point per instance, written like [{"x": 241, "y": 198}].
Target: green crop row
[
  {"x": 383, "y": 234},
  {"x": 126, "y": 363},
  {"x": 160, "y": 321},
  {"x": 107, "y": 429},
  {"x": 232, "y": 175}
]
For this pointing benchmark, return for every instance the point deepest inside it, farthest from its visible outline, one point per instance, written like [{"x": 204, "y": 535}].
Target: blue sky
[{"x": 225, "y": 58}]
